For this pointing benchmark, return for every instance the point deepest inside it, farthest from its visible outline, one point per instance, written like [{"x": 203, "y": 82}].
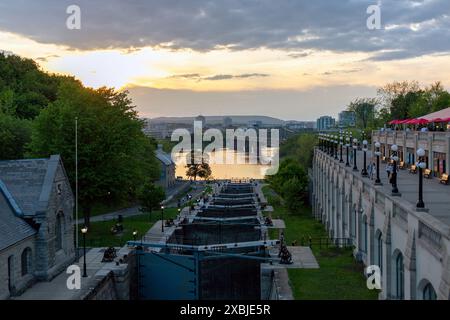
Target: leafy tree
[
  {"x": 289, "y": 169},
  {"x": 114, "y": 157},
  {"x": 198, "y": 166},
  {"x": 299, "y": 147},
  {"x": 150, "y": 196},
  {"x": 295, "y": 195},
  {"x": 364, "y": 109},
  {"x": 14, "y": 134}
]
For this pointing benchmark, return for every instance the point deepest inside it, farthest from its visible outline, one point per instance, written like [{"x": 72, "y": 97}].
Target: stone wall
[{"x": 381, "y": 228}]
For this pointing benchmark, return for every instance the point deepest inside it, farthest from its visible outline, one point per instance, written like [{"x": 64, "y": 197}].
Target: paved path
[
  {"x": 56, "y": 289},
  {"x": 436, "y": 195}
]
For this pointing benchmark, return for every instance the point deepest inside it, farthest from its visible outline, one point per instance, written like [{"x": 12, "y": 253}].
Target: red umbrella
[
  {"x": 394, "y": 122},
  {"x": 421, "y": 121},
  {"x": 404, "y": 121},
  {"x": 437, "y": 120},
  {"x": 446, "y": 120}
]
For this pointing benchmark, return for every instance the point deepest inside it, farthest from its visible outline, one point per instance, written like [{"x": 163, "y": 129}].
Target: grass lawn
[
  {"x": 99, "y": 233},
  {"x": 339, "y": 276}
]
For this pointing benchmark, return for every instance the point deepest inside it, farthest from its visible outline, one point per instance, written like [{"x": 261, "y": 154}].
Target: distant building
[
  {"x": 202, "y": 119},
  {"x": 156, "y": 130},
  {"x": 36, "y": 226},
  {"x": 325, "y": 123},
  {"x": 347, "y": 119},
  {"x": 167, "y": 176},
  {"x": 227, "y": 122}
]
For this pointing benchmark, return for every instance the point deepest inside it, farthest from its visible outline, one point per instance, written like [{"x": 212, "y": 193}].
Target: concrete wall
[{"x": 348, "y": 204}]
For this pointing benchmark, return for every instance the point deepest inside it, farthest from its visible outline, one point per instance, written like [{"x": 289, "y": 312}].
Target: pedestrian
[
  {"x": 374, "y": 168},
  {"x": 389, "y": 169}
]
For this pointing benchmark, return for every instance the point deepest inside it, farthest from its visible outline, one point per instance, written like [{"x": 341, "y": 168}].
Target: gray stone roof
[
  {"x": 29, "y": 182},
  {"x": 165, "y": 158},
  {"x": 12, "y": 228}
]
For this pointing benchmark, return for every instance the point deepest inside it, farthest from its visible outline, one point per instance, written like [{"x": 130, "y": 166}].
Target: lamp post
[
  {"x": 162, "y": 218},
  {"x": 364, "y": 170},
  {"x": 347, "y": 145},
  {"x": 84, "y": 230},
  {"x": 355, "y": 146},
  {"x": 394, "y": 157},
  {"x": 335, "y": 147},
  {"x": 135, "y": 235},
  {"x": 422, "y": 165},
  {"x": 341, "y": 142},
  {"x": 378, "y": 153}
]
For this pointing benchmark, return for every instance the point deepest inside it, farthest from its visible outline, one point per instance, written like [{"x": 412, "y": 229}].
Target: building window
[
  {"x": 26, "y": 261},
  {"x": 59, "y": 231},
  {"x": 399, "y": 275},
  {"x": 429, "y": 293},
  {"x": 11, "y": 274},
  {"x": 380, "y": 251}
]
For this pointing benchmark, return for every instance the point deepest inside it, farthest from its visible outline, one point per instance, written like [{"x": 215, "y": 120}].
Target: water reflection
[{"x": 243, "y": 166}]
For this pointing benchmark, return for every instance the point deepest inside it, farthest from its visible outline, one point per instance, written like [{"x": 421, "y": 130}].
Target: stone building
[
  {"x": 410, "y": 246},
  {"x": 36, "y": 228},
  {"x": 167, "y": 175}
]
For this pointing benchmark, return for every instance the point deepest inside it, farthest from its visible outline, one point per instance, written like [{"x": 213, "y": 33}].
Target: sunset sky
[{"x": 288, "y": 59}]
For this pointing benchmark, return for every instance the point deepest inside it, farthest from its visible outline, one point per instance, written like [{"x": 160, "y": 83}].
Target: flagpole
[{"x": 76, "y": 182}]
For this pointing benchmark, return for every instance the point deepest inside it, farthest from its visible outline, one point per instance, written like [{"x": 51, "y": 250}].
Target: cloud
[
  {"x": 198, "y": 77},
  {"x": 205, "y": 25}
]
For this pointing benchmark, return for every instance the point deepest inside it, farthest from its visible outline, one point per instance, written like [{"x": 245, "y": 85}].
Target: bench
[
  {"x": 413, "y": 169},
  {"x": 402, "y": 165},
  {"x": 427, "y": 173},
  {"x": 444, "y": 179}
]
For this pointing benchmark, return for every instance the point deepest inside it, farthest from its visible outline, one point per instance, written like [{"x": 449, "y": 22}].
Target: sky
[{"x": 291, "y": 59}]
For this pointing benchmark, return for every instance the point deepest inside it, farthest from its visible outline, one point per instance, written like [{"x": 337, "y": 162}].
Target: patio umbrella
[
  {"x": 437, "y": 120},
  {"x": 394, "y": 122},
  {"x": 418, "y": 121}
]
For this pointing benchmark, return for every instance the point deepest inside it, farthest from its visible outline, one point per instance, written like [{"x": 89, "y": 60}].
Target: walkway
[{"x": 436, "y": 195}]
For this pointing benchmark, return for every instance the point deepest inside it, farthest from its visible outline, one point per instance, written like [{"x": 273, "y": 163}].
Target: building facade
[
  {"x": 325, "y": 123},
  {"x": 411, "y": 248},
  {"x": 36, "y": 227},
  {"x": 167, "y": 175},
  {"x": 346, "y": 119},
  {"x": 435, "y": 144}
]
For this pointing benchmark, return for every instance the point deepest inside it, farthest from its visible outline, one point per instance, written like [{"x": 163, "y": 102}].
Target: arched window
[
  {"x": 399, "y": 277},
  {"x": 380, "y": 251},
  {"x": 59, "y": 231},
  {"x": 429, "y": 293},
  {"x": 26, "y": 261}
]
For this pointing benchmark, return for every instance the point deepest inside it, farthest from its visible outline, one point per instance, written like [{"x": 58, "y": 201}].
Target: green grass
[
  {"x": 101, "y": 208},
  {"x": 99, "y": 233},
  {"x": 339, "y": 276}
]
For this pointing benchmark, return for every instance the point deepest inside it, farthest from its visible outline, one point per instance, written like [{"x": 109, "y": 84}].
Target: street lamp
[
  {"x": 355, "y": 146},
  {"x": 394, "y": 157},
  {"x": 378, "y": 153},
  {"x": 135, "y": 234},
  {"x": 162, "y": 218},
  {"x": 422, "y": 165},
  {"x": 347, "y": 145},
  {"x": 364, "y": 170},
  {"x": 84, "y": 230},
  {"x": 335, "y": 147},
  {"x": 341, "y": 142}
]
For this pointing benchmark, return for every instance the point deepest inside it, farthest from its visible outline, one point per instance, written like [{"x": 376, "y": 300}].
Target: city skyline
[{"x": 292, "y": 60}]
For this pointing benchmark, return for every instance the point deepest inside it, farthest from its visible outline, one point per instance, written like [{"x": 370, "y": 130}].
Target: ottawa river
[{"x": 230, "y": 171}]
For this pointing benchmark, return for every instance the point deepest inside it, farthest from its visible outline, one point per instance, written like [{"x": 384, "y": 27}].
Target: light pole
[
  {"x": 135, "y": 235},
  {"x": 347, "y": 145},
  {"x": 378, "y": 153},
  {"x": 355, "y": 146},
  {"x": 394, "y": 157},
  {"x": 341, "y": 142},
  {"x": 335, "y": 141},
  {"x": 162, "y": 218},
  {"x": 364, "y": 170},
  {"x": 422, "y": 165},
  {"x": 84, "y": 230}
]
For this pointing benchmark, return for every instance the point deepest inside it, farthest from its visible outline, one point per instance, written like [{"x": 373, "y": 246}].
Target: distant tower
[
  {"x": 227, "y": 122},
  {"x": 201, "y": 118}
]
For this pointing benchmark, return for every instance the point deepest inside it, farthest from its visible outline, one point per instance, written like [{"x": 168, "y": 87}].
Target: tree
[
  {"x": 364, "y": 109},
  {"x": 150, "y": 196},
  {"x": 289, "y": 169},
  {"x": 114, "y": 157},
  {"x": 14, "y": 135},
  {"x": 198, "y": 166},
  {"x": 295, "y": 195},
  {"x": 398, "y": 98}
]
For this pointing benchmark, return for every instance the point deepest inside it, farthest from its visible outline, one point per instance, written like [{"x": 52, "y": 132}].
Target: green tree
[
  {"x": 294, "y": 192},
  {"x": 14, "y": 135},
  {"x": 364, "y": 109},
  {"x": 150, "y": 196},
  {"x": 114, "y": 157}
]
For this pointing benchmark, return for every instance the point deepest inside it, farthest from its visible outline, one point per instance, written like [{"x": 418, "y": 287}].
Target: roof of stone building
[
  {"x": 12, "y": 228},
  {"x": 164, "y": 157},
  {"x": 28, "y": 183}
]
